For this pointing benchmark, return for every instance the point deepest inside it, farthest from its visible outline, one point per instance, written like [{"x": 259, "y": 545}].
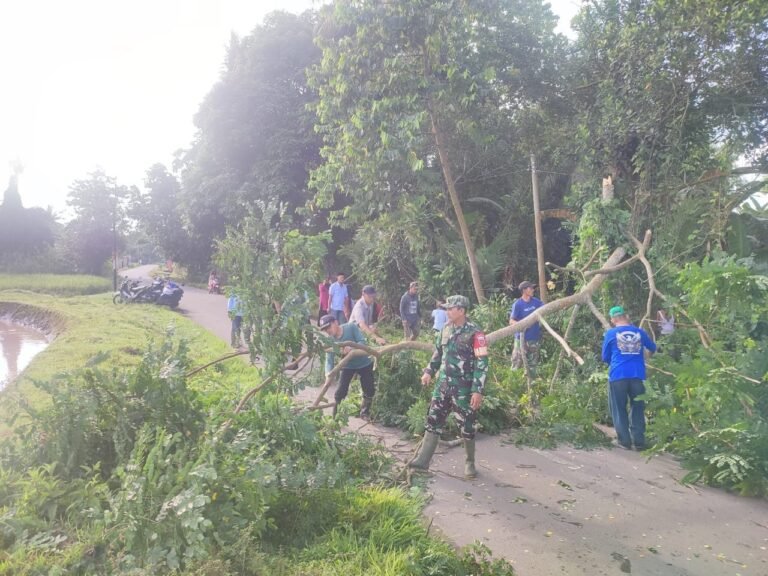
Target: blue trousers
[
  {"x": 630, "y": 428},
  {"x": 339, "y": 315}
]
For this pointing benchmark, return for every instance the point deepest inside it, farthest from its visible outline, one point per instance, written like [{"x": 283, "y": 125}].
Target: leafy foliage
[
  {"x": 95, "y": 416},
  {"x": 182, "y": 495},
  {"x": 255, "y": 143},
  {"x": 273, "y": 269}
]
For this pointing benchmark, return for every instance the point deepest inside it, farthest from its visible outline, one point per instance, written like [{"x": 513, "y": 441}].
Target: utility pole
[
  {"x": 114, "y": 243},
  {"x": 537, "y": 227}
]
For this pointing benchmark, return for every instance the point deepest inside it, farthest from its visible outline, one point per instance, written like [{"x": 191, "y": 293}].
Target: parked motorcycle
[
  {"x": 131, "y": 291},
  {"x": 127, "y": 292},
  {"x": 214, "y": 287},
  {"x": 170, "y": 295}
]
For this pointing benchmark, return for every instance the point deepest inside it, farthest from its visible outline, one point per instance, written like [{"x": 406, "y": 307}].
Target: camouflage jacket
[{"x": 461, "y": 356}]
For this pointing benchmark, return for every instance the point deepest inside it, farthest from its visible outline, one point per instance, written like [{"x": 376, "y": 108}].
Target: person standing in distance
[
  {"x": 460, "y": 361},
  {"x": 339, "y": 297},
  {"x": 235, "y": 313},
  {"x": 623, "y": 347},
  {"x": 439, "y": 317},
  {"x": 410, "y": 312},
  {"x": 360, "y": 365},
  {"x": 323, "y": 296},
  {"x": 525, "y": 353}
]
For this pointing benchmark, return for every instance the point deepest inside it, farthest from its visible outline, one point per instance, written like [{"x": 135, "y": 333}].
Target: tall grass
[
  {"x": 93, "y": 325},
  {"x": 56, "y": 284}
]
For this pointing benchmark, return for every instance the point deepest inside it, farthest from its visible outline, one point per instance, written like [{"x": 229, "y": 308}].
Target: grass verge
[
  {"x": 86, "y": 327},
  {"x": 57, "y": 284}
]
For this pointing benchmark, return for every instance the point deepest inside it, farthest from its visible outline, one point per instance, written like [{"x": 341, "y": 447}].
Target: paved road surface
[{"x": 572, "y": 512}]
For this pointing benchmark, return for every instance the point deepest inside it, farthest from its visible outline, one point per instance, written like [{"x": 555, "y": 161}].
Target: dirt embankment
[{"x": 43, "y": 320}]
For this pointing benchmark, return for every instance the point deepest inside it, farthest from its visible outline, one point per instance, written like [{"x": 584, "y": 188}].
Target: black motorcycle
[
  {"x": 132, "y": 291},
  {"x": 171, "y": 295}
]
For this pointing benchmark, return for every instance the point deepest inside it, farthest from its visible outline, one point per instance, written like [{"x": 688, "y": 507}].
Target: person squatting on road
[
  {"x": 623, "y": 350},
  {"x": 460, "y": 361},
  {"x": 362, "y": 365}
]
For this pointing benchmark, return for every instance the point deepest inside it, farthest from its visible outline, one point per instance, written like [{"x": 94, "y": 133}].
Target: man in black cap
[
  {"x": 410, "y": 312},
  {"x": 525, "y": 353}
]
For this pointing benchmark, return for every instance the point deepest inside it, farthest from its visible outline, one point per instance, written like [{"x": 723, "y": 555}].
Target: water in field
[{"x": 18, "y": 346}]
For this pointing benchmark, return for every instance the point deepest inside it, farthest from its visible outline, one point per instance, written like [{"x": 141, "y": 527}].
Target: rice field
[{"x": 56, "y": 284}]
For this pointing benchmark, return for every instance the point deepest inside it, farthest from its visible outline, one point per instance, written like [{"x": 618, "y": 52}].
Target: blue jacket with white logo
[{"x": 623, "y": 350}]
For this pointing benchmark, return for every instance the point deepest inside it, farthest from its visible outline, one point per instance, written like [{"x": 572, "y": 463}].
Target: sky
[{"x": 99, "y": 84}]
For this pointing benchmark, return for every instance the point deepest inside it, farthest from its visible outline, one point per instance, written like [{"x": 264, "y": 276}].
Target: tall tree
[
  {"x": 24, "y": 232},
  {"x": 672, "y": 95},
  {"x": 158, "y": 211},
  {"x": 410, "y": 87},
  {"x": 96, "y": 231},
  {"x": 671, "y": 90},
  {"x": 256, "y": 141}
]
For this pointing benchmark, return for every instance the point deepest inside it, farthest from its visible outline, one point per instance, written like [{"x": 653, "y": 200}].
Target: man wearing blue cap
[{"x": 623, "y": 347}]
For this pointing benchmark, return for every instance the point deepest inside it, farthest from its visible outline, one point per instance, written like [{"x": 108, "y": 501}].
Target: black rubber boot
[
  {"x": 428, "y": 447},
  {"x": 365, "y": 409},
  {"x": 469, "y": 463}
]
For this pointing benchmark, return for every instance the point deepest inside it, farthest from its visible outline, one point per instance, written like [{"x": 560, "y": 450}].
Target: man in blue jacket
[
  {"x": 525, "y": 353},
  {"x": 623, "y": 347}
]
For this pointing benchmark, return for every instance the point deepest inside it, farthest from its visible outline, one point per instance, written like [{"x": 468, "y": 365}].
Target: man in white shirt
[{"x": 338, "y": 295}]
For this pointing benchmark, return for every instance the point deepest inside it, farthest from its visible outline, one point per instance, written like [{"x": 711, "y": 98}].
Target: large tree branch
[
  {"x": 583, "y": 296},
  {"x": 599, "y": 315},
  {"x": 706, "y": 340},
  {"x": 560, "y": 339}
]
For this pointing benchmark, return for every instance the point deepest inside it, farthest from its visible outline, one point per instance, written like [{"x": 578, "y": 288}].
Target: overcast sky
[{"x": 92, "y": 84}]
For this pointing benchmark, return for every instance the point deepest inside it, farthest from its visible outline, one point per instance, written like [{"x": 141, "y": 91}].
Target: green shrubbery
[
  {"x": 125, "y": 473},
  {"x": 706, "y": 399}
]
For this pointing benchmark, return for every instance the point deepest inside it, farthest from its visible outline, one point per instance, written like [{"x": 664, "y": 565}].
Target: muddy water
[{"x": 18, "y": 345}]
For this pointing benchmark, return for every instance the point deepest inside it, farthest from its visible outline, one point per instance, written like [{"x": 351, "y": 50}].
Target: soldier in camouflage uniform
[{"x": 461, "y": 357}]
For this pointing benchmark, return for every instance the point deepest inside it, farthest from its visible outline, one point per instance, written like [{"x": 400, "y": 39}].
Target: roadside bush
[
  {"x": 95, "y": 415},
  {"x": 146, "y": 472},
  {"x": 398, "y": 387}
]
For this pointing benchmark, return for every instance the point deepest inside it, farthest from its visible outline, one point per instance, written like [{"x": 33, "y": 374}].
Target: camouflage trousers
[
  {"x": 531, "y": 357},
  {"x": 447, "y": 399}
]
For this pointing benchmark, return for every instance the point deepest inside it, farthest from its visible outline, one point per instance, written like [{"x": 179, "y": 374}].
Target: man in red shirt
[{"x": 323, "y": 292}]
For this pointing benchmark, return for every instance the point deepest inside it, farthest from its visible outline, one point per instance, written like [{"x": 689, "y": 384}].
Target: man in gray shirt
[
  {"x": 410, "y": 312},
  {"x": 362, "y": 314}
]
